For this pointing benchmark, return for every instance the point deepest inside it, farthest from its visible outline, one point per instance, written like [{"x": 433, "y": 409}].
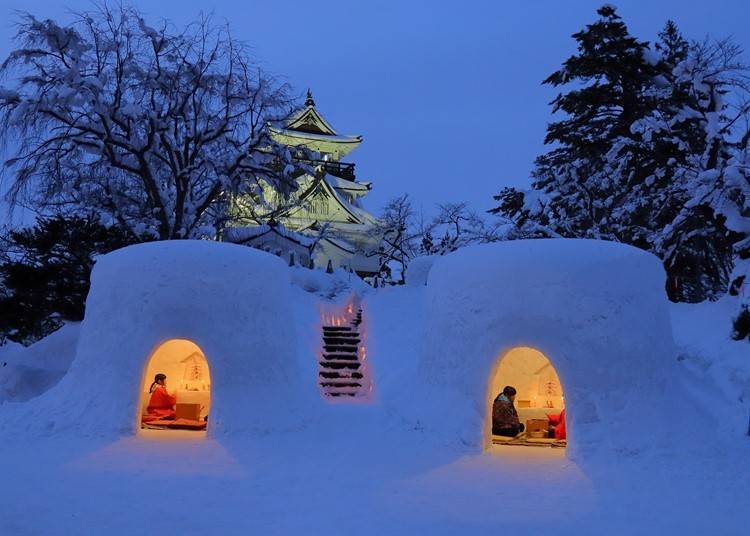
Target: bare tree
[
  {"x": 456, "y": 226},
  {"x": 154, "y": 128},
  {"x": 397, "y": 230}
]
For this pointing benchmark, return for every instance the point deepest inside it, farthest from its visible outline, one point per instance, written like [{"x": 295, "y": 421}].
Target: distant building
[{"x": 329, "y": 197}]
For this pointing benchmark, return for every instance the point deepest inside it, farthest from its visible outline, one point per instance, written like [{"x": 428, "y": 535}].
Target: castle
[{"x": 325, "y": 221}]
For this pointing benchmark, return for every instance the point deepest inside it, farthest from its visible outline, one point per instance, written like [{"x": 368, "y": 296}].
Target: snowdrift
[
  {"x": 717, "y": 368},
  {"x": 27, "y": 372}
]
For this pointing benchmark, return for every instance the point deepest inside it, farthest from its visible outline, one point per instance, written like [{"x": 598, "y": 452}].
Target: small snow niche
[
  {"x": 188, "y": 380},
  {"x": 539, "y": 399}
]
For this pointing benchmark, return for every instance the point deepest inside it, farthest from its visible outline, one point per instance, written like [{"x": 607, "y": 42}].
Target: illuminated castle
[{"x": 329, "y": 197}]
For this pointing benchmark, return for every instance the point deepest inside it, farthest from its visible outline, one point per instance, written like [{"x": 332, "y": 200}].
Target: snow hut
[
  {"x": 187, "y": 309},
  {"x": 595, "y": 309}
]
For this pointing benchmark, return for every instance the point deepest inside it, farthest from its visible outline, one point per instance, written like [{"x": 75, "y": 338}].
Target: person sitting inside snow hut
[
  {"x": 504, "y": 416},
  {"x": 161, "y": 404}
]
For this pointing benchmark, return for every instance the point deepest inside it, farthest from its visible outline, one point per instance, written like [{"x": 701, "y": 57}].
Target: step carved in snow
[{"x": 342, "y": 371}]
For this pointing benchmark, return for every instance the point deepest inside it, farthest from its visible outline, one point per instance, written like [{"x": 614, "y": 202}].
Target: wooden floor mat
[{"x": 523, "y": 441}]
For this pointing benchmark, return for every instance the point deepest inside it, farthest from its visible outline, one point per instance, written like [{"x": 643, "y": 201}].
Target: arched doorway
[
  {"x": 539, "y": 400},
  {"x": 188, "y": 381}
]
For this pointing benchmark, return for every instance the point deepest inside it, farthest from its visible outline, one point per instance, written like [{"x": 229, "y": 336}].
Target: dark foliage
[{"x": 45, "y": 276}]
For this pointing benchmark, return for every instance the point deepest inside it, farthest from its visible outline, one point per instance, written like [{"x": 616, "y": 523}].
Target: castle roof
[{"x": 308, "y": 127}]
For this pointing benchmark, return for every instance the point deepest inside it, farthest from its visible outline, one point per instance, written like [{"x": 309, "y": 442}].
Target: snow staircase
[{"x": 342, "y": 369}]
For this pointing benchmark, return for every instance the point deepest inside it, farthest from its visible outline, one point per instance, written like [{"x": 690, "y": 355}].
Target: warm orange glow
[
  {"x": 533, "y": 376},
  {"x": 187, "y": 371},
  {"x": 530, "y": 372}
]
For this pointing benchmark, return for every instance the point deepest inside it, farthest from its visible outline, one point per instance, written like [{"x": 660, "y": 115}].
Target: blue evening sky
[{"x": 446, "y": 94}]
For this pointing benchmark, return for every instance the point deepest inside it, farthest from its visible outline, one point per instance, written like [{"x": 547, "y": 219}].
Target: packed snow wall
[
  {"x": 27, "y": 372},
  {"x": 232, "y": 301},
  {"x": 596, "y": 309}
]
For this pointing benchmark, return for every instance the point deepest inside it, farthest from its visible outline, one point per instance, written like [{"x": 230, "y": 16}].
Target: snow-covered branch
[{"x": 153, "y": 127}]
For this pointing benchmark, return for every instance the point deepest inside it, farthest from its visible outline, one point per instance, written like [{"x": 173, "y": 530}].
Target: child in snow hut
[
  {"x": 161, "y": 404},
  {"x": 504, "y": 416}
]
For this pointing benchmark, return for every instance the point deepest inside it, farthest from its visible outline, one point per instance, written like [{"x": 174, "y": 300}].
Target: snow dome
[
  {"x": 214, "y": 317},
  {"x": 595, "y": 310}
]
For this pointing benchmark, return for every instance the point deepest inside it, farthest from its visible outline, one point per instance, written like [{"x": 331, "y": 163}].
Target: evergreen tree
[
  {"x": 45, "y": 277},
  {"x": 713, "y": 220},
  {"x": 697, "y": 253},
  {"x": 672, "y": 46},
  {"x": 626, "y": 157},
  {"x": 589, "y": 172}
]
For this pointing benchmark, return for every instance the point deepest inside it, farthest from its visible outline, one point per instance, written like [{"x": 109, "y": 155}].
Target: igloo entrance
[
  {"x": 538, "y": 402},
  {"x": 184, "y": 401}
]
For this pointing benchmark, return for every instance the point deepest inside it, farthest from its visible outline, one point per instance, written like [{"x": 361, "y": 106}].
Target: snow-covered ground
[
  {"x": 359, "y": 483},
  {"x": 366, "y": 468}
]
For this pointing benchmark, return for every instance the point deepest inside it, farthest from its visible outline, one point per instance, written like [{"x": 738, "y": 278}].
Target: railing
[{"x": 342, "y": 170}]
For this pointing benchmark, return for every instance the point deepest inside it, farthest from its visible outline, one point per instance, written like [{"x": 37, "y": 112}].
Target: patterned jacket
[{"x": 504, "y": 413}]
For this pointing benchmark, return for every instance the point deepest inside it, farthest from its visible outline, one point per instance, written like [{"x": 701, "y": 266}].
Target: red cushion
[
  {"x": 560, "y": 429},
  {"x": 189, "y": 424}
]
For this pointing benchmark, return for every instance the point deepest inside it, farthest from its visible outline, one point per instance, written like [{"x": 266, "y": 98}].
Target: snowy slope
[{"x": 717, "y": 368}]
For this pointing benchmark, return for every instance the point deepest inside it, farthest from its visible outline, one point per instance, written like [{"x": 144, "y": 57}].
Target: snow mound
[
  {"x": 717, "y": 367},
  {"x": 232, "y": 301},
  {"x": 27, "y": 372},
  {"x": 596, "y": 309},
  {"x": 419, "y": 270},
  {"x": 328, "y": 286}
]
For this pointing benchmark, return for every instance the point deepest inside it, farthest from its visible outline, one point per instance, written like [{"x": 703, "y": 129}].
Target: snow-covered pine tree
[
  {"x": 623, "y": 165},
  {"x": 523, "y": 214},
  {"x": 717, "y": 180},
  {"x": 588, "y": 174},
  {"x": 697, "y": 253},
  {"x": 155, "y": 128},
  {"x": 598, "y": 181}
]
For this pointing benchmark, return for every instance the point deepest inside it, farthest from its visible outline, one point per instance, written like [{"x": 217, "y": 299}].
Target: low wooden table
[{"x": 188, "y": 411}]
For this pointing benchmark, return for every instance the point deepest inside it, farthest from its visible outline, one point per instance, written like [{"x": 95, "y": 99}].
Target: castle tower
[{"x": 329, "y": 197}]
